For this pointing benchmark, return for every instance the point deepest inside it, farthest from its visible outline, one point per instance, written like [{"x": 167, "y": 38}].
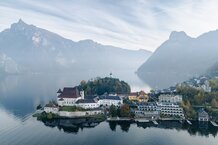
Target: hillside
[
  {"x": 7, "y": 65},
  {"x": 180, "y": 58},
  {"x": 39, "y": 50}
]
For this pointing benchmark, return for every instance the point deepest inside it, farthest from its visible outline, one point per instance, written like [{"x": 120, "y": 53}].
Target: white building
[
  {"x": 87, "y": 103},
  {"x": 148, "y": 110},
  {"x": 170, "y": 109},
  {"x": 203, "y": 115},
  {"x": 170, "y": 98},
  {"x": 69, "y": 96},
  {"x": 107, "y": 100},
  {"x": 205, "y": 85},
  {"x": 79, "y": 113},
  {"x": 75, "y": 97},
  {"x": 51, "y": 108}
]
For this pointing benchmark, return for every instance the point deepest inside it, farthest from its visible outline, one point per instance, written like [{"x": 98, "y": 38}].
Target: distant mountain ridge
[
  {"x": 38, "y": 50},
  {"x": 180, "y": 58}
]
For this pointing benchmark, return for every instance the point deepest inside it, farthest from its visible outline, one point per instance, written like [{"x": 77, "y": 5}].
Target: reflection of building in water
[
  {"x": 203, "y": 128},
  {"x": 72, "y": 125}
]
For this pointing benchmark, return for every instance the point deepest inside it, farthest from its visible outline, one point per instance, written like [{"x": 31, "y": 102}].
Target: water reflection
[
  {"x": 197, "y": 128},
  {"x": 124, "y": 126},
  {"x": 72, "y": 125}
]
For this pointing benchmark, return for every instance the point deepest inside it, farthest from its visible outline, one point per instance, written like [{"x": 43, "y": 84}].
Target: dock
[
  {"x": 142, "y": 120},
  {"x": 155, "y": 122},
  {"x": 214, "y": 123},
  {"x": 118, "y": 119},
  {"x": 189, "y": 122}
]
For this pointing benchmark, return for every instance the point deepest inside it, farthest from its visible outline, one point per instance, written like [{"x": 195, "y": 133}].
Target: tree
[
  {"x": 189, "y": 111},
  {"x": 49, "y": 115},
  {"x": 213, "y": 84},
  {"x": 83, "y": 83},
  {"x": 39, "y": 107},
  {"x": 199, "y": 98},
  {"x": 113, "y": 111},
  {"x": 100, "y": 86},
  {"x": 214, "y": 103},
  {"x": 125, "y": 111}
]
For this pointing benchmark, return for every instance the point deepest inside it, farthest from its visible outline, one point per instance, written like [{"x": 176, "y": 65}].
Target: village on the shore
[{"x": 164, "y": 104}]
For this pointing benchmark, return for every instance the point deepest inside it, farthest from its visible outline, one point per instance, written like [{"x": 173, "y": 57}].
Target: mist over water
[{"x": 20, "y": 94}]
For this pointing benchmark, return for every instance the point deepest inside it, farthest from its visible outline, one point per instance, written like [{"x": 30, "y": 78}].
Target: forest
[{"x": 99, "y": 86}]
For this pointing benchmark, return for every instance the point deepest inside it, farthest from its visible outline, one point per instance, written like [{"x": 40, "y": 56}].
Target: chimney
[{"x": 82, "y": 95}]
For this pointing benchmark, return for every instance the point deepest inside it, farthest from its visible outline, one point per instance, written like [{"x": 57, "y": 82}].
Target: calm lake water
[{"x": 19, "y": 95}]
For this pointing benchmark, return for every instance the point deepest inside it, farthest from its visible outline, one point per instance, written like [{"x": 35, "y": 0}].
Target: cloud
[{"x": 131, "y": 24}]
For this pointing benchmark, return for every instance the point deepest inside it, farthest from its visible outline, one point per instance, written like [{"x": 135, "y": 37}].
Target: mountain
[
  {"x": 213, "y": 70},
  {"x": 8, "y": 65},
  {"x": 179, "y": 58},
  {"x": 39, "y": 50}
]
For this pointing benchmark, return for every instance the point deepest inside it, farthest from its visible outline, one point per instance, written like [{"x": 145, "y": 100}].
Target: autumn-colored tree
[
  {"x": 125, "y": 111},
  {"x": 214, "y": 103},
  {"x": 199, "y": 98},
  {"x": 213, "y": 84}
]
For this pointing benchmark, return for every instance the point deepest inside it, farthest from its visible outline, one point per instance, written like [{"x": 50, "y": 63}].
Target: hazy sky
[{"x": 131, "y": 24}]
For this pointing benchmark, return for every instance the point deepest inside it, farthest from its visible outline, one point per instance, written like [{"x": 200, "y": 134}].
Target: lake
[{"x": 19, "y": 96}]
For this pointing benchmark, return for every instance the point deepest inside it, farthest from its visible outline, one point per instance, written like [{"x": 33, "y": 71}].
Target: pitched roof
[
  {"x": 51, "y": 105},
  {"x": 59, "y": 91},
  {"x": 147, "y": 104},
  {"x": 142, "y": 93},
  {"x": 85, "y": 101},
  {"x": 203, "y": 113},
  {"x": 90, "y": 96},
  {"x": 109, "y": 97},
  {"x": 70, "y": 93},
  {"x": 133, "y": 94}
]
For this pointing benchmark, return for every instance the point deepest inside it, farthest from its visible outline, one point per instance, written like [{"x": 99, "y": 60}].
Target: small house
[
  {"x": 138, "y": 96},
  {"x": 203, "y": 115}
]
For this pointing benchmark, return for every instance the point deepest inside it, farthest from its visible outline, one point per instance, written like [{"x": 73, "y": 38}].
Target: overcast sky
[{"x": 131, "y": 24}]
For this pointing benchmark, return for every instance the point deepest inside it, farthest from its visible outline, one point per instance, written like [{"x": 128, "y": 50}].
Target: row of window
[
  {"x": 171, "y": 109},
  {"x": 89, "y": 105},
  {"x": 171, "y": 112},
  {"x": 176, "y": 114}
]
